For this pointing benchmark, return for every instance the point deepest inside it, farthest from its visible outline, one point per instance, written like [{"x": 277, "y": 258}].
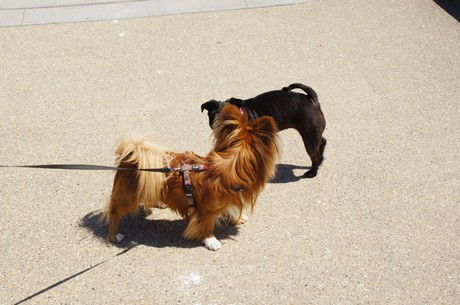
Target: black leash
[
  {"x": 71, "y": 277},
  {"x": 87, "y": 167}
]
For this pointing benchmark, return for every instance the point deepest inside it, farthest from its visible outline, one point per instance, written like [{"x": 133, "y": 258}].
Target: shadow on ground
[
  {"x": 158, "y": 233},
  {"x": 285, "y": 173},
  {"x": 450, "y": 6},
  {"x": 161, "y": 233}
]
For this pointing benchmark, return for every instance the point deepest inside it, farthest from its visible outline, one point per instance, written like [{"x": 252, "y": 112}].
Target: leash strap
[
  {"x": 91, "y": 167},
  {"x": 185, "y": 168}
]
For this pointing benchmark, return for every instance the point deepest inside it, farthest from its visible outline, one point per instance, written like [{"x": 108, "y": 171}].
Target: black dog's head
[{"x": 213, "y": 107}]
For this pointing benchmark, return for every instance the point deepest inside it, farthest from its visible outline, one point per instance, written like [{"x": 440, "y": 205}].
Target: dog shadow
[
  {"x": 285, "y": 173},
  {"x": 158, "y": 233}
]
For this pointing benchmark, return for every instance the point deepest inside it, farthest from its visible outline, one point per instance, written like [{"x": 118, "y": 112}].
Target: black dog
[{"x": 289, "y": 110}]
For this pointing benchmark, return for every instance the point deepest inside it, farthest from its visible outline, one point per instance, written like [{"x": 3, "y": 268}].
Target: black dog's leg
[
  {"x": 321, "y": 150},
  {"x": 315, "y": 147}
]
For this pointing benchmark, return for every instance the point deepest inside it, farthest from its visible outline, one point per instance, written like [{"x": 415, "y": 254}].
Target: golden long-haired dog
[{"x": 241, "y": 163}]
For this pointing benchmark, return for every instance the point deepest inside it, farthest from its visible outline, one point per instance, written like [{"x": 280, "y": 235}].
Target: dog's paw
[
  {"x": 310, "y": 174},
  {"x": 242, "y": 219},
  {"x": 211, "y": 243},
  {"x": 229, "y": 220},
  {"x": 161, "y": 206}
]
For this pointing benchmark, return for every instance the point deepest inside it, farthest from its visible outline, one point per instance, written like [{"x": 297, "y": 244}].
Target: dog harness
[{"x": 185, "y": 169}]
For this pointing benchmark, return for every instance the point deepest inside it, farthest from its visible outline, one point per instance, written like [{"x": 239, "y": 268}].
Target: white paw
[
  {"x": 212, "y": 243},
  {"x": 119, "y": 237}
]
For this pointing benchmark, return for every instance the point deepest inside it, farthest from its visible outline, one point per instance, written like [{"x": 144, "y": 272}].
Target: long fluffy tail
[
  {"x": 142, "y": 152},
  {"x": 308, "y": 90}
]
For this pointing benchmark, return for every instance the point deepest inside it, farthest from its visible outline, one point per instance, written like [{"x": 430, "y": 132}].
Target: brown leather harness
[{"x": 185, "y": 169}]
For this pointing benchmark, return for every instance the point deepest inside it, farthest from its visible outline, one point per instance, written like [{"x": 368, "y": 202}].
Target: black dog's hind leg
[
  {"x": 315, "y": 151},
  {"x": 321, "y": 150}
]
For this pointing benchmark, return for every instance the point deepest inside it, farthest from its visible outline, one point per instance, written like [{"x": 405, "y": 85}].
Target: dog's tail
[
  {"x": 308, "y": 90},
  {"x": 144, "y": 153}
]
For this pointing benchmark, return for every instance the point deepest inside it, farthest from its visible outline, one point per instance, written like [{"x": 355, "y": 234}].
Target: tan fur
[{"x": 244, "y": 155}]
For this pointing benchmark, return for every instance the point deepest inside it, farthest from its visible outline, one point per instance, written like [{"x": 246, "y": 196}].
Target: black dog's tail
[{"x": 308, "y": 90}]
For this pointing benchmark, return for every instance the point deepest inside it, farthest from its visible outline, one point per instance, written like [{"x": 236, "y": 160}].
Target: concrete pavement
[{"x": 378, "y": 225}]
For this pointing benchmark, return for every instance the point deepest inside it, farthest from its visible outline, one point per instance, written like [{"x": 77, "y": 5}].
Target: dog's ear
[
  {"x": 227, "y": 122},
  {"x": 235, "y": 101},
  {"x": 231, "y": 117},
  {"x": 211, "y": 105},
  {"x": 263, "y": 142},
  {"x": 264, "y": 127}
]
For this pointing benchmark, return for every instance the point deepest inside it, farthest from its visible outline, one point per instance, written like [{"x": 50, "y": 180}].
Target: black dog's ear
[
  {"x": 235, "y": 101},
  {"x": 211, "y": 105}
]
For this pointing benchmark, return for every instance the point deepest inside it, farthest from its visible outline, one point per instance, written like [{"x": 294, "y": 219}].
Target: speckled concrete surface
[{"x": 378, "y": 225}]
